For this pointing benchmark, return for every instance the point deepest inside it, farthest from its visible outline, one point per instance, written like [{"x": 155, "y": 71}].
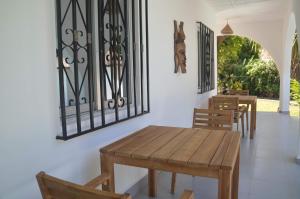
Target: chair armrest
[
  {"x": 126, "y": 196},
  {"x": 187, "y": 194},
  {"x": 102, "y": 179}
]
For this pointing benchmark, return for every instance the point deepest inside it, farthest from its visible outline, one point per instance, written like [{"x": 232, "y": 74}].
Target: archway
[
  {"x": 278, "y": 44},
  {"x": 245, "y": 64}
]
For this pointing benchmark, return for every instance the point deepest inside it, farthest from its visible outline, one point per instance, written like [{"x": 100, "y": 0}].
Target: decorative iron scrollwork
[
  {"x": 122, "y": 84},
  {"x": 205, "y": 58},
  {"x": 120, "y": 102}
]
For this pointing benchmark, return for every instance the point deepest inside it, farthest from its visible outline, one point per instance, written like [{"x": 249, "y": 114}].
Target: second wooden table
[{"x": 196, "y": 152}]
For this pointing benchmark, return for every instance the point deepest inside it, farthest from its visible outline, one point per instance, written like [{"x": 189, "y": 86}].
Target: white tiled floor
[{"x": 268, "y": 169}]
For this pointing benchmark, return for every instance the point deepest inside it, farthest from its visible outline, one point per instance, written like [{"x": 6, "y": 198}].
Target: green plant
[
  {"x": 264, "y": 78},
  {"x": 240, "y": 67},
  {"x": 295, "y": 72},
  {"x": 295, "y": 90}
]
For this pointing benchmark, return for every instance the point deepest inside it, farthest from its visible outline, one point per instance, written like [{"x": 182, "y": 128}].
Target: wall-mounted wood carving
[{"x": 180, "y": 48}]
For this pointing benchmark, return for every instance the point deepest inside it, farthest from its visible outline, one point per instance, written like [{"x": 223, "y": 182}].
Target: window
[
  {"x": 206, "y": 73},
  {"x": 103, "y": 64}
]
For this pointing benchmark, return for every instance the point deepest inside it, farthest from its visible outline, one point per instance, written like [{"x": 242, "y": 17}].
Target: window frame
[
  {"x": 206, "y": 51},
  {"x": 99, "y": 114}
]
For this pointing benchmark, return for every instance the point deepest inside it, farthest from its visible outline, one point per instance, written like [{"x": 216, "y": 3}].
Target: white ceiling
[
  {"x": 243, "y": 10},
  {"x": 221, "y": 5}
]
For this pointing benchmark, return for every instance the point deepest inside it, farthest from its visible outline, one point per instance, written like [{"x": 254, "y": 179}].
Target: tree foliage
[
  {"x": 295, "y": 90},
  {"x": 237, "y": 50},
  {"x": 263, "y": 78},
  {"x": 295, "y": 72},
  {"x": 240, "y": 67}
]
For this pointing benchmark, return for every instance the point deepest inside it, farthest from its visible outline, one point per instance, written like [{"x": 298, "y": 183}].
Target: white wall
[{"x": 29, "y": 97}]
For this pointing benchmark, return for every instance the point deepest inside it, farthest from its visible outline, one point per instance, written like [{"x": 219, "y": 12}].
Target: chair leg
[
  {"x": 247, "y": 119},
  {"x": 243, "y": 124},
  {"x": 173, "y": 183}
]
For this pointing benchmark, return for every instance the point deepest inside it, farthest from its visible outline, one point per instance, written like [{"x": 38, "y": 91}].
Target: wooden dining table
[
  {"x": 197, "y": 152},
  {"x": 247, "y": 100}
]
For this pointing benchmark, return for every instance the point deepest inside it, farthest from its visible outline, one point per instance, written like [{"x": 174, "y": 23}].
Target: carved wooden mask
[{"x": 180, "y": 48}]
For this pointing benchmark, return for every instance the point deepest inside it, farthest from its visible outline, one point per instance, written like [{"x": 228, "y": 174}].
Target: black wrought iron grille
[
  {"x": 206, "y": 73},
  {"x": 103, "y": 63}
]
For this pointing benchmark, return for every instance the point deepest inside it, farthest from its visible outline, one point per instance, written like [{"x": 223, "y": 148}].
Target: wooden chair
[
  {"x": 209, "y": 119},
  {"x": 187, "y": 194},
  {"x": 232, "y": 104},
  {"x": 213, "y": 119},
  {"x": 244, "y": 108},
  {"x": 54, "y": 188}
]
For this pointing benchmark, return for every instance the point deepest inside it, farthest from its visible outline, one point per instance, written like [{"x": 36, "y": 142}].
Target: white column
[
  {"x": 285, "y": 70},
  {"x": 284, "y": 89}
]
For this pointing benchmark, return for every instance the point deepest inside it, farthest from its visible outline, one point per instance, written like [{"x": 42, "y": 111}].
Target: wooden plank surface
[
  {"x": 140, "y": 140},
  {"x": 200, "y": 147},
  {"x": 207, "y": 150},
  {"x": 217, "y": 160},
  {"x": 243, "y": 99},
  {"x": 116, "y": 145},
  {"x": 232, "y": 152},
  {"x": 166, "y": 151},
  {"x": 146, "y": 150},
  {"x": 191, "y": 145}
]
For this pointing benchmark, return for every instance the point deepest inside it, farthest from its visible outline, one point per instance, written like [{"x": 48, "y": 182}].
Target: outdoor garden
[{"x": 244, "y": 64}]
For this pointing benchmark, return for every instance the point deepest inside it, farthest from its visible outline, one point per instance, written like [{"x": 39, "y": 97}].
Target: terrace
[{"x": 70, "y": 85}]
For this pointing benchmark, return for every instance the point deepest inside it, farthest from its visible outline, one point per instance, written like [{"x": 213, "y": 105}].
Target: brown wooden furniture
[
  {"x": 187, "y": 195},
  {"x": 242, "y": 107},
  {"x": 213, "y": 119},
  {"x": 232, "y": 104},
  {"x": 54, "y": 188},
  {"x": 249, "y": 100},
  {"x": 197, "y": 152},
  {"x": 209, "y": 119},
  {"x": 238, "y": 92}
]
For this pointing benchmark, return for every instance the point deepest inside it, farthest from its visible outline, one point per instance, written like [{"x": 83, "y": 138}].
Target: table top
[
  {"x": 215, "y": 149},
  {"x": 242, "y": 97}
]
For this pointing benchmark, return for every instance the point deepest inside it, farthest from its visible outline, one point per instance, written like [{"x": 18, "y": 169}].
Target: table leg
[
  {"x": 235, "y": 179},
  {"x": 210, "y": 107},
  {"x": 225, "y": 184},
  {"x": 255, "y": 111},
  {"x": 152, "y": 182},
  {"x": 173, "y": 183},
  {"x": 253, "y": 120},
  {"x": 107, "y": 166}
]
